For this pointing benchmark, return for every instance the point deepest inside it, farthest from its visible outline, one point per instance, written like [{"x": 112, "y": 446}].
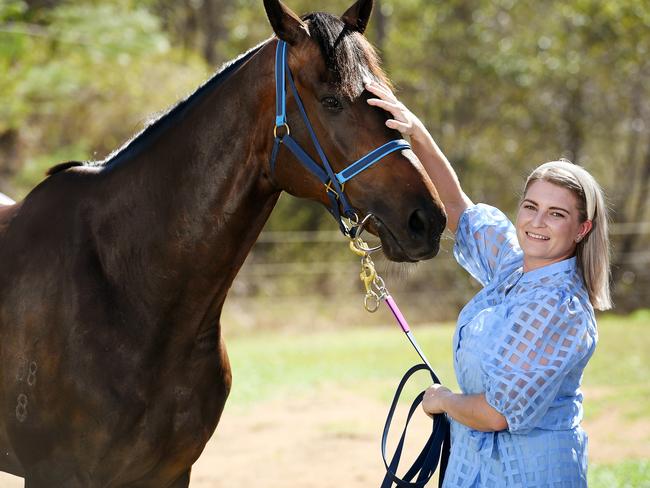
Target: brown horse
[{"x": 113, "y": 274}]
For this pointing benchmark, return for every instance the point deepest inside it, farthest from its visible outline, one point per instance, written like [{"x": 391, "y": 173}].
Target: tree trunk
[
  {"x": 9, "y": 159},
  {"x": 380, "y": 22},
  {"x": 212, "y": 12}
]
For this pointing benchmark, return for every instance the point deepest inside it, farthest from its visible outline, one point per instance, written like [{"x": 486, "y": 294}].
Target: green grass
[
  {"x": 629, "y": 474},
  {"x": 371, "y": 361},
  {"x": 268, "y": 363},
  {"x": 619, "y": 370}
]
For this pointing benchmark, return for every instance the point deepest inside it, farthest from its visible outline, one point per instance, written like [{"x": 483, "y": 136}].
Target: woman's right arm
[{"x": 425, "y": 148}]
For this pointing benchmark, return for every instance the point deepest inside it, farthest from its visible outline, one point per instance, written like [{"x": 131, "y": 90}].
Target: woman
[{"x": 523, "y": 341}]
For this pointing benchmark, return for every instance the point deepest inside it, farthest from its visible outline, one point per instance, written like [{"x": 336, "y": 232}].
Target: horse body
[
  {"x": 159, "y": 347},
  {"x": 113, "y": 277}
]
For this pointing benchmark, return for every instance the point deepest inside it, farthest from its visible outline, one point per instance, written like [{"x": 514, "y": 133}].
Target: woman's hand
[
  {"x": 433, "y": 399},
  {"x": 425, "y": 148},
  {"x": 403, "y": 119}
]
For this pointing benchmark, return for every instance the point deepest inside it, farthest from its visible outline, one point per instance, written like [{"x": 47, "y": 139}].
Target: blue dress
[{"x": 523, "y": 340}]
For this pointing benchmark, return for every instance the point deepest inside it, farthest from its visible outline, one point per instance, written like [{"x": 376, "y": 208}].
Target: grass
[
  {"x": 273, "y": 364},
  {"x": 629, "y": 474},
  {"x": 270, "y": 363},
  {"x": 619, "y": 369},
  {"x": 371, "y": 360}
]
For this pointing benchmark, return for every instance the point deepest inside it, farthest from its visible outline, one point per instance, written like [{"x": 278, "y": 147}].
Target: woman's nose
[{"x": 539, "y": 219}]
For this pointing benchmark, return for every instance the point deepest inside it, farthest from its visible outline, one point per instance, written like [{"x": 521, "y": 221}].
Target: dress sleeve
[
  {"x": 485, "y": 241},
  {"x": 543, "y": 340}
]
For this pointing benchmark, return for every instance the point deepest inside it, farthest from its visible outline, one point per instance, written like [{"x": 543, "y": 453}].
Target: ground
[{"x": 332, "y": 437}]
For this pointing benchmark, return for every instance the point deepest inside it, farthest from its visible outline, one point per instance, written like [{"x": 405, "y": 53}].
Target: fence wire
[{"x": 316, "y": 266}]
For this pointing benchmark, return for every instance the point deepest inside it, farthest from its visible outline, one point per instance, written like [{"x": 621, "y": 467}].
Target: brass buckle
[
  {"x": 329, "y": 187},
  {"x": 275, "y": 130}
]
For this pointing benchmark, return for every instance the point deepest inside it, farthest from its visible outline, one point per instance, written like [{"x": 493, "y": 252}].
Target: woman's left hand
[
  {"x": 403, "y": 119},
  {"x": 433, "y": 399}
]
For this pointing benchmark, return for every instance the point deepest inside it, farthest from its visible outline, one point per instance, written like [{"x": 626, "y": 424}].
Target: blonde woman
[{"x": 522, "y": 343}]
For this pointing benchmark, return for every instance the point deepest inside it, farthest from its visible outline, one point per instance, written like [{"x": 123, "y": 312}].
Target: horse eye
[{"x": 331, "y": 103}]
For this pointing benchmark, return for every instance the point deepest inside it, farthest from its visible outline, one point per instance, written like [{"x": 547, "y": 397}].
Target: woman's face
[{"x": 548, "y": 223}]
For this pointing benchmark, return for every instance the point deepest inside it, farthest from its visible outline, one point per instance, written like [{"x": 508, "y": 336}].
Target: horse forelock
[{"x": 349, "y": 57}]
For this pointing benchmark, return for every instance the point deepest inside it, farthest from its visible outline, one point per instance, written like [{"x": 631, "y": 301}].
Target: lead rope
[{"x": 437, "y": 446}]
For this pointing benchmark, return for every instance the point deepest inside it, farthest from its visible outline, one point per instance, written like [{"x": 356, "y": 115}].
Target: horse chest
[
  {"x": 181, "y": 419},
  {"x": 185, "y": 403}
]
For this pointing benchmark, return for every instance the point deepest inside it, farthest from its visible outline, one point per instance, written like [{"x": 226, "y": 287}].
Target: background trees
[{"x": 502, "y": 84}]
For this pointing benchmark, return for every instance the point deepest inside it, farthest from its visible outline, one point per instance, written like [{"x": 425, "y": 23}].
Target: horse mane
[
  {"x": 348, "y": 55},
  {"x": 63, "y": 166},
  {"x": 140, "y": 140}
]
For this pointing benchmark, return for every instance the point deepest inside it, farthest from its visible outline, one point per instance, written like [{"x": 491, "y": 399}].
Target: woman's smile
[
  {"x": 537, "y": 236},
  {"x": 548, "y": 224}
]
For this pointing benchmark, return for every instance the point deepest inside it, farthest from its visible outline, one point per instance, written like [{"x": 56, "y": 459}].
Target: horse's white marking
[
  {"x": 21, "y": 408},
  {"x": 28, "y": 374},
  {"x": 22, "y": 369},
  {"x": 31, "y": 377}
]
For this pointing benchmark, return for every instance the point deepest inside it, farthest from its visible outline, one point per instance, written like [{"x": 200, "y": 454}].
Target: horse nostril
[{"x": 418, "y": 223}]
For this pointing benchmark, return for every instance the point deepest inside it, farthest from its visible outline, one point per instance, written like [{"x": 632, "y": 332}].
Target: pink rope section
[{"x": 397, "y": 313}]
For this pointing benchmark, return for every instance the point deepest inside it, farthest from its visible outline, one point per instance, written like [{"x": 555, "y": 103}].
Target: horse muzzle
[{"x": 417, "y": 240}]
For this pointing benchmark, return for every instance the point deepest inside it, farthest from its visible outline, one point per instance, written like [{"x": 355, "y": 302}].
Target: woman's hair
[{"x": 592, "y": 252}]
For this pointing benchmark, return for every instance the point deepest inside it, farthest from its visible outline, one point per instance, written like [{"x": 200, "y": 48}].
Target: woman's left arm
[{"x": 471, "y": 410}]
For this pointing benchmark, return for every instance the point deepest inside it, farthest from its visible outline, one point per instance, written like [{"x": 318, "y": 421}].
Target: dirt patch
[
  {"x": 612, "y": 438},
  {"x": 332, "y": 437},
  {"x": 328, "y": 439}
]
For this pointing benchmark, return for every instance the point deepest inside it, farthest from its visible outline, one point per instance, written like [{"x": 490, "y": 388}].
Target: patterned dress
[{"x": 523, "y": 340}]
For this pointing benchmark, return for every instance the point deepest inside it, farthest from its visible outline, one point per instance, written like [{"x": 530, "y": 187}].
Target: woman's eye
[
  {"x": 528, "y": 206},
  {"x": 557, "y": 214},
  {"x": 331, "y": 103}
]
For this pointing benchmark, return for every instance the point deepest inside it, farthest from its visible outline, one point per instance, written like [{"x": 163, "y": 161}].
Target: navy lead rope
[
  {"x": 438, "y": 445},
  {"x": 332, "y": 181}
]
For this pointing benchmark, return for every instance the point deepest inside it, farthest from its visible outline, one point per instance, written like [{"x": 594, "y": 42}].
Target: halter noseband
[{"x": 333, "y": 182}]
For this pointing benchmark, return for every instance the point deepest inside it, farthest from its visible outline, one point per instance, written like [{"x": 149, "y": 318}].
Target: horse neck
[{"x": 196, "y": 200}]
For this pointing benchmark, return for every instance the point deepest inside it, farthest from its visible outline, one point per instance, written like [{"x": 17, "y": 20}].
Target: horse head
[{"x": 330, "y": 61}]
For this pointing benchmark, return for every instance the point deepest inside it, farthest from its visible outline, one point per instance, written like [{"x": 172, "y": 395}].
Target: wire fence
[{"x": 276, "y": 285}]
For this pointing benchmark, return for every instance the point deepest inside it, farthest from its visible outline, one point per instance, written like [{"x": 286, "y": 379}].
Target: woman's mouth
[{"x": 537, "y": 237}]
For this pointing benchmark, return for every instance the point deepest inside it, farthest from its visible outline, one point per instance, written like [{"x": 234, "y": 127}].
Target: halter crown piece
[{"x": 332, "y": 181}]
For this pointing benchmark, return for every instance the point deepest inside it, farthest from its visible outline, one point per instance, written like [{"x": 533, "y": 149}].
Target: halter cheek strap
[{"x": 333, "y": 182}]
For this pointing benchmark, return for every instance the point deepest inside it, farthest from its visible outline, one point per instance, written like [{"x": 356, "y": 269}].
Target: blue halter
[{"x": 333, "y": 182}]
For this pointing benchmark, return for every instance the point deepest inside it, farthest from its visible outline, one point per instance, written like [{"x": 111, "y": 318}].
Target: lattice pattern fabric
[{"x": 523, "y": 340}]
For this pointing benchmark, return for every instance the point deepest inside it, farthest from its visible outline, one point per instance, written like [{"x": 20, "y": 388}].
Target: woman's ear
[{"x": 584, "y": 229}]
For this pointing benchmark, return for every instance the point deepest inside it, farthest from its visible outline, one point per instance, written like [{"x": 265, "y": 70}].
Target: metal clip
[
  {"x": 368, "y": 274},
  {"x": 371, "y": 302},
  {"x": 374, "y": 285},
  {"x": 361, "y": 244}
]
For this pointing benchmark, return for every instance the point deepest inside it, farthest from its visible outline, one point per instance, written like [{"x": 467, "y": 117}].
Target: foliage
[
  {"x": 80, "y": 79},
  {"x": 503, "y": 85}
]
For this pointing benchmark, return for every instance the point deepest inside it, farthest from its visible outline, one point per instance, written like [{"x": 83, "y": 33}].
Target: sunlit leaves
[{"x": 85, "y": 76}]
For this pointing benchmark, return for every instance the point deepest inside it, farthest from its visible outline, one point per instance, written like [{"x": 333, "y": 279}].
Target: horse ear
[
  {"x": 285, "y": 23},
  {"x": 356, "y": 17}
]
